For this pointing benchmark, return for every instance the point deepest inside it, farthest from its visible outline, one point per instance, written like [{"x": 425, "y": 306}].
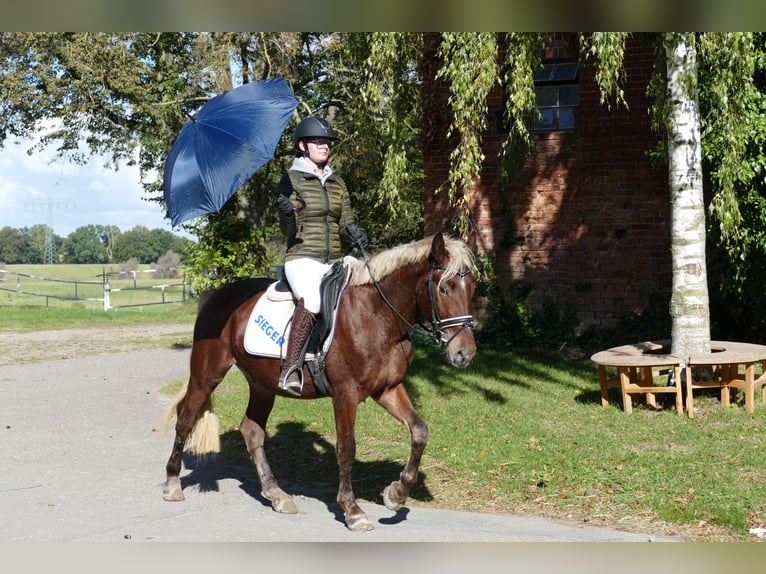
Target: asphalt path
[{"x": 83, "y": 461}]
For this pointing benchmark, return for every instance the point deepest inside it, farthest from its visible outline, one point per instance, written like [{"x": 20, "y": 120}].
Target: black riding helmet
[{"x": 312, "y": 127}]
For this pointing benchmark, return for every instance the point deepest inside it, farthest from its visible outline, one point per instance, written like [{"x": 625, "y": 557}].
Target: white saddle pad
[{"x": 267, "y": 329}]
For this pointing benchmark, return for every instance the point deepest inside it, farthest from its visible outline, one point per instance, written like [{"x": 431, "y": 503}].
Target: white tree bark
[{"x": 689, "y": 305}]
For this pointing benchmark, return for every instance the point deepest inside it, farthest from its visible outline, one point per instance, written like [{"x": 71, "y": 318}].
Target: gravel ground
[{"x": 48, "y": 345}]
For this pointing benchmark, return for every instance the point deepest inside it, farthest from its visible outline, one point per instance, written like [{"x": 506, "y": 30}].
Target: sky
[{"x": 43, "y": 189}]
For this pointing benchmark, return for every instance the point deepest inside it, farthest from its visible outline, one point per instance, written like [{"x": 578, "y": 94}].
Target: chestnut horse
[{"x": 426, "y": 285}]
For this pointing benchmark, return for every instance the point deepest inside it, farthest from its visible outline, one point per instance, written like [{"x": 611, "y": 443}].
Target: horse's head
[
  {"x": 445, "y": 279},
  {"x": 445, "y": 300}
]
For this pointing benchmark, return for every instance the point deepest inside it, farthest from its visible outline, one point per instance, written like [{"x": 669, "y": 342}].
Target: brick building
[{"x": 585, "y": 220}]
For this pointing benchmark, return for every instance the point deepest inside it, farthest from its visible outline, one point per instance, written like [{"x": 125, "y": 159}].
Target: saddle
[
  {"x": 330, "y": 290},
  {"x": 267, "y": 330}
]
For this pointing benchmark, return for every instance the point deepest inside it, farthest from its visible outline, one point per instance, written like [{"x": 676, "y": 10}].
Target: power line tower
[{"x": 49, "y": 249}]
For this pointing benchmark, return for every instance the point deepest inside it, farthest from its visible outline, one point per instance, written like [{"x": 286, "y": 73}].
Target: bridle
[{"x": 435, "y": 326}]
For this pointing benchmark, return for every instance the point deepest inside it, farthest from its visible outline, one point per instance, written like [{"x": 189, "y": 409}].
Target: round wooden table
[
  {"x": 639, "y": 364},
  {"x": 726, "y": 358}
]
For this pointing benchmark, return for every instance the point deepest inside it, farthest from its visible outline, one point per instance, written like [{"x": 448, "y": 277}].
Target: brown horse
[{"x": 426, "y": 285}]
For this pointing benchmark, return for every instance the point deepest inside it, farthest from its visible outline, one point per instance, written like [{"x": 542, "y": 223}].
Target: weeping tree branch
[{"x": 470, "y": 67}]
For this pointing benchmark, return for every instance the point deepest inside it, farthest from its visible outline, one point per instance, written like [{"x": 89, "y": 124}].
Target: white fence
[{"x": 165, "y": 289}]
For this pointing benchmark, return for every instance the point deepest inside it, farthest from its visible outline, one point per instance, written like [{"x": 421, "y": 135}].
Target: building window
[{"x": 557, "y": 91}]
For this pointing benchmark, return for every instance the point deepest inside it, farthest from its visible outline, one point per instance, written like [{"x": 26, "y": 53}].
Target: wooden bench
[{"x": 637, "y": 365}]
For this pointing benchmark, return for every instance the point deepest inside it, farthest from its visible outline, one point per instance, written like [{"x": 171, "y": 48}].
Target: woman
[{"x": 314, "y": 207}]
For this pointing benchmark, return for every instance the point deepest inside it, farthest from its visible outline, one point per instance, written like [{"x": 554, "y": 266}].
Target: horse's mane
[{"x": 383, "y": 263}]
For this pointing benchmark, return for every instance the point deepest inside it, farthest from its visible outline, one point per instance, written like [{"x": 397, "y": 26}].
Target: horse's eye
[{"x": 442, "y": 290}]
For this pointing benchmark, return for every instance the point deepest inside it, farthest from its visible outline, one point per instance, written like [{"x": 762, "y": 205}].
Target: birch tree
[{"x": 689, "y": 304}]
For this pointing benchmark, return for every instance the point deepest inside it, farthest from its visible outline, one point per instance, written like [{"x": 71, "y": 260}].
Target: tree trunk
[{"x": 689, "y": 309}]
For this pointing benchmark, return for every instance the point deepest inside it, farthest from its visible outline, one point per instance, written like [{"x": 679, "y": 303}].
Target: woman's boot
[{"x": 291, "y": 377}]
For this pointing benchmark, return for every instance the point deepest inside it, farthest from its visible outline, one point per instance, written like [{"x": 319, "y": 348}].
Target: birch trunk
[{"x": 689, "y": 309}]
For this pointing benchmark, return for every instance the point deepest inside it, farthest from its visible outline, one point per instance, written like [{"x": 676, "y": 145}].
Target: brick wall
[{"x": 585, "y": 219}]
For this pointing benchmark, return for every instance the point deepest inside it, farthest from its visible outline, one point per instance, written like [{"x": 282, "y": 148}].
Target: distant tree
[
  {"x": 181, "y": 245},
  {"x": 160, "y": 242},
  {"x": 146, "y": 245},
  {"x": 131, "y": 244},
  {"x": 15, "y": 246},
  {"x": 86, "y": 244},
  {"x": 33, "y": 254}
]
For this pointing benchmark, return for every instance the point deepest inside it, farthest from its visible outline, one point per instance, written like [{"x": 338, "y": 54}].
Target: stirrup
[{"x": 294, "y": 388}]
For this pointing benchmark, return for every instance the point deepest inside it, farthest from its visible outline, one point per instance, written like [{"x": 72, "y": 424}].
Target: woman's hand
[
  {"x": 357, "y": 235},
  {"x": 285, "y": 206}
]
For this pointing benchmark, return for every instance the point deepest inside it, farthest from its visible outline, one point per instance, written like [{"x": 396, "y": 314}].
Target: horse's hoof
[
  {"x": 359, "y": 524},
  {"x": 282, "y": 504},
  {"x": 173, "y": 494},
  {"x": 388, "y": 498}
]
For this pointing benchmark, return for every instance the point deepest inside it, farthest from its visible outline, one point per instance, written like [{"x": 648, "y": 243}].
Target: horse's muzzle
[{"x": 461, "y": 349}]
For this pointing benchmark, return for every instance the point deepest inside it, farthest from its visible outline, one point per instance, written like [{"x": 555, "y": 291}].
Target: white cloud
[{"x": 41, "y": 188}]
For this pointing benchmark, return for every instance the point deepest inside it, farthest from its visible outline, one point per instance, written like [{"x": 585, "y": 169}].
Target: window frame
[{"x": 553, "y": 81}]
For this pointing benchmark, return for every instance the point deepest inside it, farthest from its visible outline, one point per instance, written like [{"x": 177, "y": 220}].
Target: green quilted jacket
[{"x": 322, "y": 211}]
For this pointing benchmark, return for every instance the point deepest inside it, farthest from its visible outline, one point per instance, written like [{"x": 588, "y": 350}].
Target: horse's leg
[
  {"x": 205, "y": 374},
  {"x": 345, "y": 420},
  {"x": 397, "y": 402},
  {"x": 187, "y": 412},
  {"x": 253, "y": 429}
]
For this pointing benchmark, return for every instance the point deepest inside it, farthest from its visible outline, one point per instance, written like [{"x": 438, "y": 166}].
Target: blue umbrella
[{"x": 228, "y": 140}]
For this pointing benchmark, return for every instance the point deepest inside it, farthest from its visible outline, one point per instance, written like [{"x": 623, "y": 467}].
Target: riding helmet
[{"x": 312, "y": 127}]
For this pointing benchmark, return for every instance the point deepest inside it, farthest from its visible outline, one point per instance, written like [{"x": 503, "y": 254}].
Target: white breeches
[{"x": 304, "y": 276}]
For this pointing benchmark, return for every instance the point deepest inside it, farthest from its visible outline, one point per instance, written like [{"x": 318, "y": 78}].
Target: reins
[{"x": 435, "y": 327}]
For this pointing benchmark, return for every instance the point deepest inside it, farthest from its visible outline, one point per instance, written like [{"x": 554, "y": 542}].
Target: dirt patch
[{"x": 27, "y": 347}]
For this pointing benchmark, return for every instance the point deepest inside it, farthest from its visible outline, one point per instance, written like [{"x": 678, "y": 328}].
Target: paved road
[{"x": 82, "y": 461}]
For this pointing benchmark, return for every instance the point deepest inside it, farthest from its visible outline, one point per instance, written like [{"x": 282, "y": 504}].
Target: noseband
[{"x": 436, "y": 325}]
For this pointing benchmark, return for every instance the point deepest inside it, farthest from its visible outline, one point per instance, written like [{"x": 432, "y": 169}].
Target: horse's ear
[{"x": 438, "y": 249}]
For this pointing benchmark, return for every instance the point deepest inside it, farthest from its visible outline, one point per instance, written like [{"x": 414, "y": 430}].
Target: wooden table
[
  {"x": 637, "y": 365},
  {"x": 725, "y": 358}
]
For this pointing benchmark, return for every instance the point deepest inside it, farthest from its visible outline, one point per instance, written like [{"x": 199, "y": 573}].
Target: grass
[
  {"x": 525, "y": 433},
  {"x": 28, "y": 313},
  {"x": 36, "y": 317},
  {"x": 82, "y": 286}
]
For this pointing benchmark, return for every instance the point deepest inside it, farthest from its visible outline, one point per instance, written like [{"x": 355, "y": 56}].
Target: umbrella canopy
[{"x": 228, "y": 140}]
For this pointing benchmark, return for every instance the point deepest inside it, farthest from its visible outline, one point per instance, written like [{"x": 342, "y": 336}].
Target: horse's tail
[{"x": 204, "y": 437}]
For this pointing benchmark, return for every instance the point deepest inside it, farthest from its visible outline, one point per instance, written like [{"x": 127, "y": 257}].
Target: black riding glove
[
  {"x": 358, "y": 235},
  {"x": 285, "y": 206}
]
